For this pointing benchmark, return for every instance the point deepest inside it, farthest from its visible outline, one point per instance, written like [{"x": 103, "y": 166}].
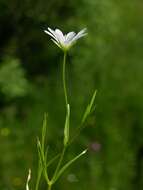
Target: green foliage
[
  {"x": 12, "y": 79},
  {"x": 43, "y": 164},
  {"x": 68, "y": 164},
  {"x": 110, "y": 60}
]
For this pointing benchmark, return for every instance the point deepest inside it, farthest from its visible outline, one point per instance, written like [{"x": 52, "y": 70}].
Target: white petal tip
[
  {"x": 46, "y": 31},
  {"x": 49, "y": 28}
]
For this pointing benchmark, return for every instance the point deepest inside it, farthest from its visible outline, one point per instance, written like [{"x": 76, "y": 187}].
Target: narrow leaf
[
  {"x": 89, "y": 107},
  {"x": 39, "y": 174},
  {"x": 44, "y": 130},
  {"x": 28, "y": 179},
  {"x": 68, "y": 164},
  {"x": 52, "y": 160},
  {"x": 42, "y": 160}
]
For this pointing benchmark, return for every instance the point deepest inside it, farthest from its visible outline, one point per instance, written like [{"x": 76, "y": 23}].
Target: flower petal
[
  {"x": 50, "y": 34},
  {"x": 79, "y": 35},
  {"x": 56, "y": 43},
  {"x": 69, "y": 36},
  {"x": 60, "y": 35},
  {"x": 65, "y": 41},
  {"x": 52, "y": 31},
  {"x": 82, "y": 31}
]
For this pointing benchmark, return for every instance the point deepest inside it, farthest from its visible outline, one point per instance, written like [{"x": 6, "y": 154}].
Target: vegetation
[{"x": 110, "y": 60}]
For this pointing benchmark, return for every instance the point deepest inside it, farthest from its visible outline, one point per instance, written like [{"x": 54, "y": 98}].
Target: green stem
[
  {"x": 64, "y": 80},
  {"x": 38, "y": 177},
  {"x": 49, "y": 187},
  {"x": 66, "y": 101},
  {"x": 59, "y": 164}
]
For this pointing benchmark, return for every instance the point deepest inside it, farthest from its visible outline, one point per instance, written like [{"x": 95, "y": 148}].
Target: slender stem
[
  {"x": 66, "y": 101},
  {"x": 38, "y": 177},
  {"x": 49, "y": 187},
  {"x": 59, "y": 164},
  {"x": 64, "y": 78}
]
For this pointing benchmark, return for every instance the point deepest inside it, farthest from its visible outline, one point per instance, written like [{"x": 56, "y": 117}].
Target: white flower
[{"x": 64, "y": 41}]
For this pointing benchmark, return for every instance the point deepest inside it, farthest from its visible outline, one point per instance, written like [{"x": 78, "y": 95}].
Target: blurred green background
[{"x": 109, "y": 59}]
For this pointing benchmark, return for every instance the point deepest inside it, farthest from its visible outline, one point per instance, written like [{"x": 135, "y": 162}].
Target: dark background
[{"x": 109, "y": 59}]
